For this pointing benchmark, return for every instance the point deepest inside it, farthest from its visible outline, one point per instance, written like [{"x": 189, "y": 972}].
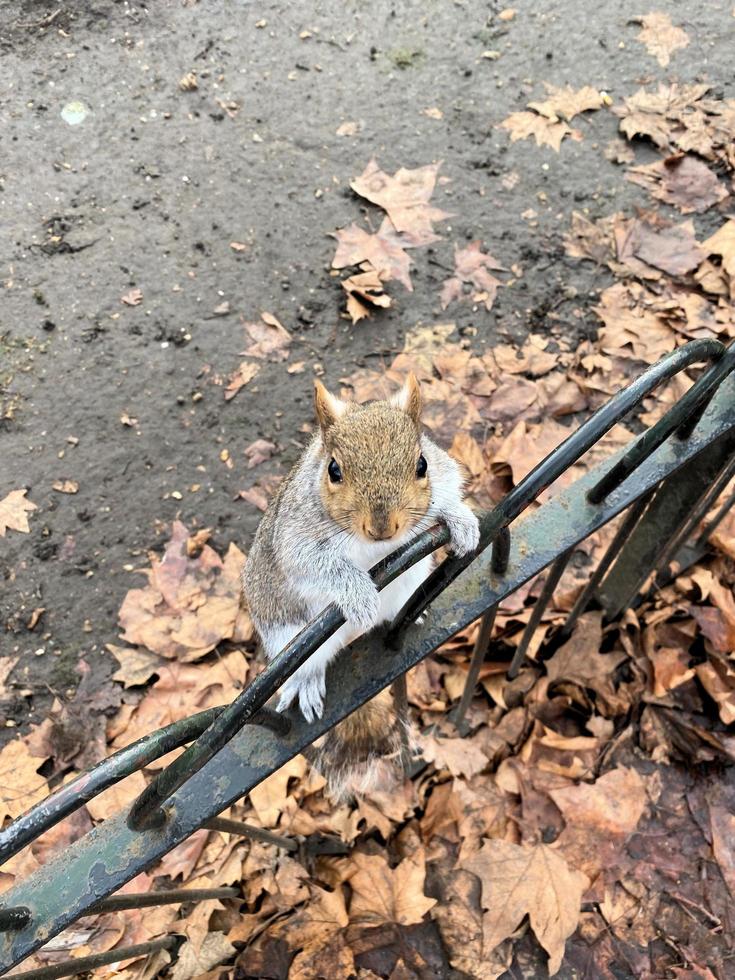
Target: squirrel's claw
[{"x": 310, "y": 690}]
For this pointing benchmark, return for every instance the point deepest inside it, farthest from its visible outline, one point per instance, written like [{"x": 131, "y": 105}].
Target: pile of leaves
[{"x": 587, "y": 817}]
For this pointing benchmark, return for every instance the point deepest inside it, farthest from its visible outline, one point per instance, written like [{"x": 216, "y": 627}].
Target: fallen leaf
[
  {"x": 681, "y": 180},
  {"x": 21, "y": 787},
  {"x": 270, "y": 339},
  {"x": 66, "y": 486},
  {"x": 522, "y": 125},
  {"x": 472, "y": 265},
  {"x": 14, "y": 510},
  {"x": 381, "y": 894},
  {"x": 244, "y": 374},
  {"x": 117, "y": 798},
  {"x": 718, "y": 680},
  {"x": 384, "y": 250},
  {"x": 215, "y": 949},
  {"x": 364, "y": 291},
  {"x": 722, "y": 243},
  {"x": 189, "y": 605},
  {"x": 132, "y": 298},
  {"x": 259, "y": 452},
  {"x": 533, "y": 881},
  {"x": 405, "y": 197},
  {"x": 137, "y": 665},
  {"x": 722, "y": 825},
  {"x": 461, "y": 756},
  {"x": 566, "y": 102},
  {"x": 674, "y": 250},
  {"x": 660, "y": 36},
  {"x": 269, "y": 797}
]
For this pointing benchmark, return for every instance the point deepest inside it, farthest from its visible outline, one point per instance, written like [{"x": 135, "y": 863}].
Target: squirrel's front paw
[
  {"x": 310, "y": 688},
  {"x": 464, "y": 532},
  {"x": 360, "y": 602}
]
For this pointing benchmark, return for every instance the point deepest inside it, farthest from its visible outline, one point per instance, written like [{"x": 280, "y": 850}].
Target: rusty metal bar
[
  {"x": 84, "y": 964},
  {"x": 228, "y": 826},
  {"x": 552, "y": 580},
  {"x": 622, "y": 534}
]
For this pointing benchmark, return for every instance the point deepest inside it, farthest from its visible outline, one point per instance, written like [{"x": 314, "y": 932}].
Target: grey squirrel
[{"x": 368, "y": 482}]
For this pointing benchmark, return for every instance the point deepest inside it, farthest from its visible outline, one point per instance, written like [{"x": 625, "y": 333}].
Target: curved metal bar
[
  {"x": 553, "y": 465},
  {"x": 690, "y": 405},
  {"x": 87, "y": 785},
  {"x": 84, "y": 964}
]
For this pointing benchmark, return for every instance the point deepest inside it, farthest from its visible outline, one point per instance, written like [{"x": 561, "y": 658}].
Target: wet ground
[{"x": 151, "y": 187}]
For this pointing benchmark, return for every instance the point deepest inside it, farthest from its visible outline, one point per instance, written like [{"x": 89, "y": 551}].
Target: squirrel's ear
[
  {"x": 328, "y": 407},
  {"x": 408, "y": 399}
]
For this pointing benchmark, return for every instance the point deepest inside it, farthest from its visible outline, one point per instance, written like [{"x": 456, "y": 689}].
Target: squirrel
[{"x": 368, "y": 482}]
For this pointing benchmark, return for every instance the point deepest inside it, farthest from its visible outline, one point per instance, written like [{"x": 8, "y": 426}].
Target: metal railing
[{"x": 666, "y": 480}]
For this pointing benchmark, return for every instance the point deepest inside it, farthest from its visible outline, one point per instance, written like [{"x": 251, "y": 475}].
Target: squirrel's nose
[{"x": 381, "y": 528}]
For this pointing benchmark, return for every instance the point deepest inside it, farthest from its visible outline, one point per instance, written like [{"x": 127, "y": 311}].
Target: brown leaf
[
  {"x": 137, "y": 665},
  {"x": 384, "y": 250},
  {"x": 14, "y": 510},
  {"x": 472, "y": 266},
  {"x": 522, "y": 125},
  {"x": 674, "y": 250},
  {"x": 189, "y": 605},
  {"x": 259, "y": 452},
  {"x": 65, "y": 486},
  {"x": 579, "y": 660},
  {"x": 405, "y": 197},
  {"x": 269, "y": 797},
  {"x": 215, "y": 949},
  {"x": 663, "y": 116},
  {"x": 132, "y": 298},
  {"x": 20, "y": 784},
  {"x": 533, "y": 881},
  {"x": 117, "y": 798},
  {"x": 566, "y": 102},
  {"x": 381, "y": 894},
  {"x": 723, "y": 243},
  {"x": 718, "y": 680},
  {"x": 722, "y": 824},
  {"x": 270, "y": 339},
  {"x": 245, "y": 373},
  {"x": 660, "y": 36},
  {"x": 681, "y": 180},
  {"x": 364, "y": 291},
  {"x": 461, "y": 756},
  {"x": 181, "y": 690}
]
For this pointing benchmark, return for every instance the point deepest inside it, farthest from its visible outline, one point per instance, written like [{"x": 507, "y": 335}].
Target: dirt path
[{"x": 150, "y": 189}]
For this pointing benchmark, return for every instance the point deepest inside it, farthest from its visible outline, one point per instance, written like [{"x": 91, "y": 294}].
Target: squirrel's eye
[
  {"x": 335, "y": 473},
  {"x": 421, "y": 467}
]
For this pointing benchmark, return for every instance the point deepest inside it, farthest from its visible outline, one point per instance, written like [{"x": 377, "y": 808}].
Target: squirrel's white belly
[{"x": 392, "y": 598}]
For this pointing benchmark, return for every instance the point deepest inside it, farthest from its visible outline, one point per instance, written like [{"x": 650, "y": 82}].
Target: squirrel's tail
[{"x": 363, "y": 752}]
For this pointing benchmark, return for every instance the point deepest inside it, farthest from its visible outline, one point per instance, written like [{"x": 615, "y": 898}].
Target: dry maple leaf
[
  {"x": 20, "y": 784},
  {"x": 662, "y": 115},
  {"x": 672, "y": 249},
  {"x": 566, "y": 102},
  {"x": 660, "y": 36},
  {"x": 533, "y": 881},
  {"x": 522, "y": 125},
  {"x": 472, "y": 265},
  {"x": 461, "y": 756},
  {"x": 244, "y": 374},
  {"x": 405, "y": 197},
  {"x": 180, "y": 691},
  {"x": 364, "y": 290},
  {"x": 270, "y": 339},
  {"x": 259, "y": 452},
  {"x": 189, "y": 605},
  {"x": 722, "y": 243},
  {"x": 381, "y": 894},
  {"x": 132, "y": 298},
  {"x": 14, "y": 510},
  {"x": 384, "y": 250},
  {"x": 681, "y": 180},
  {"x": 269, "y": 797}
]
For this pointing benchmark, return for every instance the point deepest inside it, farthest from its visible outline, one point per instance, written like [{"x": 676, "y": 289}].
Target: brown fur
[
  {"x": 362, "y": 752},
  {"x": 379, "y": 497}
]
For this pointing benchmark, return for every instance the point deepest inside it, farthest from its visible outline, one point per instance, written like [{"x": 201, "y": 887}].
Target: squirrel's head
[{"x": 375, "y": 482}]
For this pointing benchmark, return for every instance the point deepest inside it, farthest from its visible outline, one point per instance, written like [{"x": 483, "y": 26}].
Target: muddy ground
[{"x": 151, "y": 188}]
